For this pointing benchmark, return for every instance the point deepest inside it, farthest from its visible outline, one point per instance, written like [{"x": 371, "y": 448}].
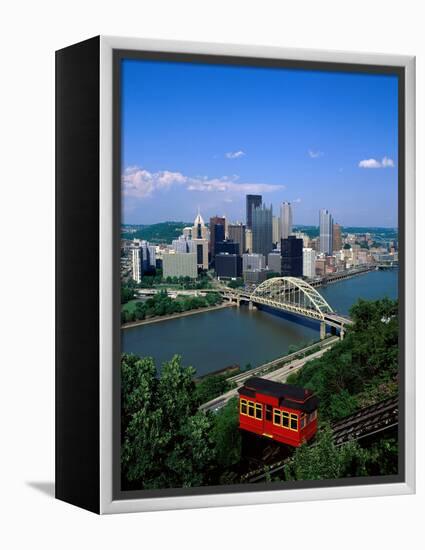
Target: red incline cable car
[{"x": 282, "y": 412}]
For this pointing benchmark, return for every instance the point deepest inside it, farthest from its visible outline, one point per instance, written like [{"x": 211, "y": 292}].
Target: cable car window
[
  {"x": 268, "y": 412},
  {"x": 294, "y": 422},
  {"x": 258, "y": 411},
  {"x": 277, "y": 417},
  {"x": 303, "y": 419},
  {"x": 243, "y": 406},
  {"x": 250, "y": 408},
  {"x": 285, "y": 419}
]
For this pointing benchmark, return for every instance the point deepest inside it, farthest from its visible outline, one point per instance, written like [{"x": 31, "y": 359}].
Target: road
[{"x": 278, "y": 375}]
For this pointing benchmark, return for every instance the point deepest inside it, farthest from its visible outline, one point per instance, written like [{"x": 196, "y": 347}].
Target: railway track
[
  {"x": 368, "y": 421},
  {"x": 364, "y": 423}
]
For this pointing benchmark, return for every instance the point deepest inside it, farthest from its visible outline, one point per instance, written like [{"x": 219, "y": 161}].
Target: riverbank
[{"x": 172, "y": 316}]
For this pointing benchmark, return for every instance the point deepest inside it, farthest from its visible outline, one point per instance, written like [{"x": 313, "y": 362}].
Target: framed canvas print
[{"x": 235, "y": 274}]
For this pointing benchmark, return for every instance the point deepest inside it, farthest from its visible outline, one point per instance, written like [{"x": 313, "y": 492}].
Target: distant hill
[{"x": 158, "y": 233}]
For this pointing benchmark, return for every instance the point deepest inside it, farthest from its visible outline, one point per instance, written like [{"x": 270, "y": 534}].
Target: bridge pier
[
  {"x": 341, "y": 333},
  {"x": 322, "y": 330},
  {"x": 250, "y": 306}
]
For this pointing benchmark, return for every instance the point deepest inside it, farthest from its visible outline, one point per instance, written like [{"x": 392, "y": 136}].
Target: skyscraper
[
  {"x": 136, "y": 263},
  {"x": 337, "y": 238},
  {"x": 199, "y": 229},
  {"x": 292, "y": 256},
  {"x": 276, "y": 230},
  {"x": 237, "y": 235},
  {"x": 326, "y": 232},
  {"x": 309, "y": 263},
  {"x": 285, "y": 220},
  {"x": 262, "y": 230},
  {"x": 252, "y": 201},
  {"x": 217, "y": 233}
]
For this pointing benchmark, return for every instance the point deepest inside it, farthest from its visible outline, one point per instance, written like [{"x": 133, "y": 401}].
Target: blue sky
[{"x": 204, "y": 135}]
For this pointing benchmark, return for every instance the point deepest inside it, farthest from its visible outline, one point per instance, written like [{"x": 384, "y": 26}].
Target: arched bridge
[{"x": 292, "y": 295}]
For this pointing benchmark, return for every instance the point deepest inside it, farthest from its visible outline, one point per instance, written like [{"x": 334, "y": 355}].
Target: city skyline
[{"x": 314, "y": 139}]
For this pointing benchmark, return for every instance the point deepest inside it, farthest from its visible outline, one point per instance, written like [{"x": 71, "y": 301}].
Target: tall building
[
  {"x": 285, "y": 220},
  {"x": 326, "y": 232},
  {"x": 306, "y": 239},
  {"x": 181, "y": 244},
  {"x": 200, "y": 248},
  {"x": 248, "y": 240},
  {"x": 309, "y": 263},
  {"x": 228, "y": 266},
  {"x": 274, "y": 262},
  {"x": 199, "y": 229},
  {"x": 226, "y": 247},
  {"x": 180, "y": 265},
  {"x": 217, "y": 233},
  {"x": 336, "y": 237},
  {"x": 136, "y": 263},
  {"x": 237, "y": 235},
  {"x": 276, "y": 231},
  {"x": 143, "y": 258},
  {"x": 252, "y": 201},
  {"x": 251, "y": 262},
  {"x": 262, "y": 230},
  {"x": 292, "y": 256},
  {"x": 187, "y": 232}
]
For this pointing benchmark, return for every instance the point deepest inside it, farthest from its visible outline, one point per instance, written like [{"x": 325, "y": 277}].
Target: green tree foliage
[
  {"x": 127, "y": 294},
  {"x": 366, "y": 359},
  {"x": 210, "y": 387},
  {"x": 323, "y": 460},
  {"x": 165, "y": 438},
  {"x": 236, "y": 283},
  {"x": 161, "y": 304},
  {"x": 226, "y": 435}
]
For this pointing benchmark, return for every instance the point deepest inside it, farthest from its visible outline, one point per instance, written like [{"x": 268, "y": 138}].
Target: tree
[
  {"x": 166, "y": 440},
  {"x": 323, "y": 460},
  {"x": 127, "y": 294},
  {"x": 226, "y": 435},
  {"x": 363, "y": 361},
  {"x": 210, "y": 387}
]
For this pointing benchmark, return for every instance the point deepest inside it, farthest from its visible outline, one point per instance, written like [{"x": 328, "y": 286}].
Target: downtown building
[
  {"x": 237, "y": 235},
  {"x": 217, "y": 234},
  {"x": 199, "y": 242},
  {"x": 274, "y": 262},
  {"x": 251, "y": 262},
  {"x": 262, "y": 230},
  {"x": 179, "y": 264},
  {"x": 252, "y": 201},
  {"x": 326, "y": 232},
  {"x": 143, "y": 259},
  {"x": 285, "y": 220},
  {"x": 228, "y": 266},
  {"x": 336, "y": 237},
  {"x": 309, "y": 263},
  {"x": 292, "y": 257}
]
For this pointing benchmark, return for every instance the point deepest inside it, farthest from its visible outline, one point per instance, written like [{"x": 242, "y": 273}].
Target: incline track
[{"x": 366, "y": 422}]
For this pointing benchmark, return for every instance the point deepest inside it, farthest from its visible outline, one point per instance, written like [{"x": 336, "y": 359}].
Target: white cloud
[
  {"x": 387, "y": 163},
  {"x": 374, "y": 163},
  {"x": 139, "y": 183},
  {"x": 296, "y": 201},
  {"x": 235, "y": 154},
  {"x": 315, "y": 154}
]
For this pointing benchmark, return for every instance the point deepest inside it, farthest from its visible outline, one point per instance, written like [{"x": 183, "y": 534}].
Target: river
[{"x": 213, "y": 340}]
